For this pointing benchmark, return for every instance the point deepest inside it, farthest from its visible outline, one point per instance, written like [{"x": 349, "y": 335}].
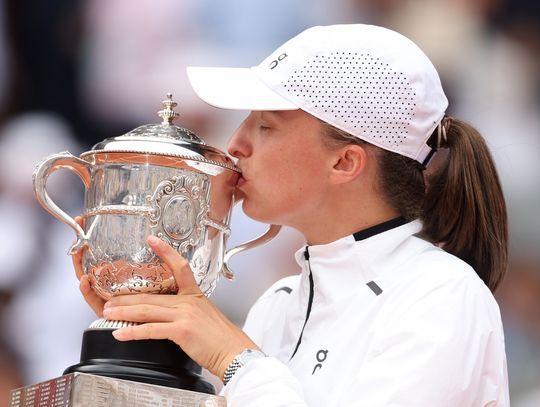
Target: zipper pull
[{"x": 306, "y": 254}]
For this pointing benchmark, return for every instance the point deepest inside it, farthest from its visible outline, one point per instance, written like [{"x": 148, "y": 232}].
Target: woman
[{"x": 393, "y": 303}]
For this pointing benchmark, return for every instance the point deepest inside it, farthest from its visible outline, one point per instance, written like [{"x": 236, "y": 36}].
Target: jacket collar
[{"x": 346, "y": 264}]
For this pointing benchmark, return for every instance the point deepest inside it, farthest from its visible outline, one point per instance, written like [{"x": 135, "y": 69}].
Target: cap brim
[{"x": 235, "y": 88}]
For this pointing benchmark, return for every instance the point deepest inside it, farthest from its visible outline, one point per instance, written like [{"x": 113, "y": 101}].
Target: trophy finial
[{"x": 168, "y": 114}]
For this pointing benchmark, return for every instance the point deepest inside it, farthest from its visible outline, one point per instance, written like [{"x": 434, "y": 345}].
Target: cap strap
[
  {"x": 442, "y": 139},
  {"x": 442, "y": 130},
  {"x": 428, "y": 158}
]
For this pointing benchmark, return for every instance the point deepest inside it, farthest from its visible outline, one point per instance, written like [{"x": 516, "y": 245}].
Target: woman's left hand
[{"x": 188, "y": 318}]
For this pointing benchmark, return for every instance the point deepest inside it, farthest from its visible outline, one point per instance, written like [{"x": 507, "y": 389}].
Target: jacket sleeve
[{"x": 264, "y": 382}]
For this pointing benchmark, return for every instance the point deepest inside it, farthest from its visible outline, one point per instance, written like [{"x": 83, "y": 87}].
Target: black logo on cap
[{"x": 275, "y": 62}]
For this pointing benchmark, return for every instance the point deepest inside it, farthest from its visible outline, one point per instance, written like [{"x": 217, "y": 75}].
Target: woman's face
[{"x": 285, "y": 166}]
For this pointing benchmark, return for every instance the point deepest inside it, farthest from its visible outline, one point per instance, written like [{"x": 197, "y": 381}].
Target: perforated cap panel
[{"x": 357, "y": 91}]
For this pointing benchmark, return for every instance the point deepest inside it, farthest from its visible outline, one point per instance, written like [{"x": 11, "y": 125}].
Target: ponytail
[
  {"x": 464, "y": 209},
  {"x": 460, "y": 201}
]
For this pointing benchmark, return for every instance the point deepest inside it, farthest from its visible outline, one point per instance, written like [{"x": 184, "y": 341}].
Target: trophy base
[
  {"x": 86, "y": 390},
  {"x": 158, "y": 362}
]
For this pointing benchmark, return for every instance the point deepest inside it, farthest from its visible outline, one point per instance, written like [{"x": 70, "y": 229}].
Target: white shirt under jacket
[{"x": 394, "y": 321}]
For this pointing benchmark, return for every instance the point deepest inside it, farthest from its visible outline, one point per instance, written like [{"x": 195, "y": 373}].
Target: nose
[{"x": 239, "y": 145}]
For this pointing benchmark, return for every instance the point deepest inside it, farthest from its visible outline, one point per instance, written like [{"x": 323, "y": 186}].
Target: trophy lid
[{"x": 164, "y": 139}]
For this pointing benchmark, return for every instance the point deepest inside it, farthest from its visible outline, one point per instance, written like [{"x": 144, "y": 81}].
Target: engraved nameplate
[{"x": 86, "y": 390}]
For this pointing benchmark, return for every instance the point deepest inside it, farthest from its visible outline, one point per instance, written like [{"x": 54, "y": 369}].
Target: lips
[
  {"x": 241, "y": 177},
  {"x": 239, "y": 194},
  {"x": 233, "y": 179},
  {"x": 241, "y": 181}
]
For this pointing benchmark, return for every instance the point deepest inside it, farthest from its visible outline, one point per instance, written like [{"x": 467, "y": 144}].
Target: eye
[{"x": 262, "y": 127}]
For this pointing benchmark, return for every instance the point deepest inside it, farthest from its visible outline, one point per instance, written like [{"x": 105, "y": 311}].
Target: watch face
[{"x": 250, "y": 354}]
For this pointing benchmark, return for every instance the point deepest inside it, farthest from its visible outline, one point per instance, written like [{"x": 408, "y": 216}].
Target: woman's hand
[
  {"x": 187, "y": 318},
  {"x": 90, "y": 296}
]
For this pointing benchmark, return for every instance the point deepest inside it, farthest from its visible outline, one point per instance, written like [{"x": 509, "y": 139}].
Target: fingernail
[
  {"x": 153, "y": 240},
  {"x": 106, "y": 312},
  {"x": 107, "y": 305},
  {"x": 118, "y": 334}
]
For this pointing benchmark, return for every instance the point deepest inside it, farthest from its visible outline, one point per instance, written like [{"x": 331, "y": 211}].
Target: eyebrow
[
  {"x": 273, "y": 113},
  {"x": 267, "y": 113}
]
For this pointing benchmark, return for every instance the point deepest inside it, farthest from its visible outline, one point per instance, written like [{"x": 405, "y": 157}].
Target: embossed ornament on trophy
[{"x": 158, "y": 179}]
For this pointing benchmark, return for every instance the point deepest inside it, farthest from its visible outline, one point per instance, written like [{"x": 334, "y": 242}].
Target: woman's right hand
[{"x": 90, "y": 296}]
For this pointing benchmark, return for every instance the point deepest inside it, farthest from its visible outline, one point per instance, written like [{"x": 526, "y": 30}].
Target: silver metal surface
[
  {"x": 163, "y": 138},
  {"x": 126, "y": 202},
  {"x": 268, "y": 235},
  {"x": 86, "y": 390},
  {"x": 159, "y": 179}
]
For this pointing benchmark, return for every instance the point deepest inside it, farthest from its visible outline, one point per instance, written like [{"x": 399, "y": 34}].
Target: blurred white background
[{"x": 74, "y": 72}]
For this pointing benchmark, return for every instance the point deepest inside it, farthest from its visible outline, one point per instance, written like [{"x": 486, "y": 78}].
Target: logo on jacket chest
[{"x": 320, "y": 357}]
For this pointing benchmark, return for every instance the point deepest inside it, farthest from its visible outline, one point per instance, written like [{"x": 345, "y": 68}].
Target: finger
[
  {"x": 80, "y": 220},
  {"x": 144, "y": 331},
  {"x": 151, "y": 299},
  {"x": 77, "y": 257},
  {"x": 77, "y": 263},
  {"x": 90, "y": 296},
  {"x": 178, "y": 264},
  {"x": 141, "y": 313}
]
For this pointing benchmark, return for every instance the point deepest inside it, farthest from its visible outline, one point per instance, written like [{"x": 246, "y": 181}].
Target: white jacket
[{"x": 393, "y": 321}]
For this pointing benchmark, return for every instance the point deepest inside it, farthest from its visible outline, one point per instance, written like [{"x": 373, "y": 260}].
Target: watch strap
[
  {"x": 231, "y": 370},
  {"x": 240, "y": 360}
]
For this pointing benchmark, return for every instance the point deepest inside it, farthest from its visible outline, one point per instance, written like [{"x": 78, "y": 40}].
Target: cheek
[
  {"x": 298, "y": 173},
  {"x": 287, "y": 182},
  {"x": 287, "y": 178},
  {"x": 290, "y": 187}
]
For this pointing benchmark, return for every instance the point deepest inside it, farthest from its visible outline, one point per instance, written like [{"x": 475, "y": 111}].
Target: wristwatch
[{"x": 242, "y": 359}]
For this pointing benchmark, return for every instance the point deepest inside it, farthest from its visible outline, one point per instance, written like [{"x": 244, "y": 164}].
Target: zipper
[{"x": 310, "y": 301}]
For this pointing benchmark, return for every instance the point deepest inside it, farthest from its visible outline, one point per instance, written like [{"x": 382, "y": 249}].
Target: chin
[{"x": 257, "y": 213}]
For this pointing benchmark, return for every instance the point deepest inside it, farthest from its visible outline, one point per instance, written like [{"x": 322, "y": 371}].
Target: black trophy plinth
[{"x": 159, "y": 362}]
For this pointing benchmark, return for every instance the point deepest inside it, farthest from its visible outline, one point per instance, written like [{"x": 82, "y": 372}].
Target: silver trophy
[{"x": 158, "y": 179}]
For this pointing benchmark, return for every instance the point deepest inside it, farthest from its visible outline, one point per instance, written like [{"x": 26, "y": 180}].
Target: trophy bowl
[{"x": 158, "y": 179}]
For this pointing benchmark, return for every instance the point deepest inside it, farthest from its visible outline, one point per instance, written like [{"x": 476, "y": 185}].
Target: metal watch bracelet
[{"x": 241, "y": 360}]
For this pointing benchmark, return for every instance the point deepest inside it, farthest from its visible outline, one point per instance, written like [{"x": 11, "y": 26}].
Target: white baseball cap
[{"x": 369, "y": 81}]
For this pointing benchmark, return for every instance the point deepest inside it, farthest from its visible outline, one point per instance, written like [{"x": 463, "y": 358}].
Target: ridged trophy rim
[
  {"x": 104, "y": 324},
  {"x": 175, "y": 155}
]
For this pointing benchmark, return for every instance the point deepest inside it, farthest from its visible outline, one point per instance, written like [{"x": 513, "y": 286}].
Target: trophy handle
[
  {"x": 39, "y": 178},
  {"x": 270, "y": 233}
]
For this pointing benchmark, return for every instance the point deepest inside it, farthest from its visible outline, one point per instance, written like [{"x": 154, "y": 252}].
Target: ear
[{"x": 349, "y": 162}]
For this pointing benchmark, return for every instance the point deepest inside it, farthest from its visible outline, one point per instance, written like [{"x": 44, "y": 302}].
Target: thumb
[{"x": 179, "y": 265}]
